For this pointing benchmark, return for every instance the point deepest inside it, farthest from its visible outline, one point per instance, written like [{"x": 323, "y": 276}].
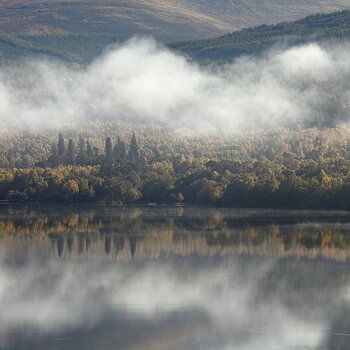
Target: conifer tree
[
  {"x": 95, "y": 151},
  {"x": 53, "y": 161},
  {"x": 71, "y": 150},
  {"x": 81, "y": 151},
  {"x": 61, "y": 149},
  {"x": 120, "y": 151},
  {"x": 134, "y": 153},
  {"x": 109, "y": 151},
  {"x": 89, "y": 152},
  {"x": 54, "y": 149}
]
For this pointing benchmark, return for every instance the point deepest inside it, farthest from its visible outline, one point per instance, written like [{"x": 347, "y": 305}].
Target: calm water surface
[{"x": 103, "y": 277}]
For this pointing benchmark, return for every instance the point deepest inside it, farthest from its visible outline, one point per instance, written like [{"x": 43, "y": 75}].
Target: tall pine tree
[
  {"x": 53, "y": 159},
  {"x": 61, "y": 149},
  {"x": 81, "y": 159},
  {"x": 134, "y": 152},
  {"x": 108, "y": 151},
  {"x": 120, "y": 151},
  {"x": 71, "y": 150},
  {"x": 89, "y": 153}
]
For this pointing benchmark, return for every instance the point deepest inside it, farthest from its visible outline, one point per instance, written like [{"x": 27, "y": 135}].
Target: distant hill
[
  {"x": 78, "y": 48},
  {"x": 315, "y": 28},
  {"x": 193, "y": 18},
  {"x": 82, "y": 48}
]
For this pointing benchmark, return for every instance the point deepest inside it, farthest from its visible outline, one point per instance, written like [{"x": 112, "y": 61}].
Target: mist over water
[{"x": 142, "y": 81}]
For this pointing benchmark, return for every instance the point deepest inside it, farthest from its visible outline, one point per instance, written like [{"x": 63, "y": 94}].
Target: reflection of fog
[
  {"x": 183, "y": 303},
  {"x": 173, "y": 278}
]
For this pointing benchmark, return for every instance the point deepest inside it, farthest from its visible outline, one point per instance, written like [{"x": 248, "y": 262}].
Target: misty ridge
[{"x": 142, "y": 81}]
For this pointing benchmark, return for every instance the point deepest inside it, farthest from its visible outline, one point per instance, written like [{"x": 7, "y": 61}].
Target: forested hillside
[
  {"x": 123, "y": 163},
  {"x": 315, "y": 28},
  {"x": 82, "y": 48},
  {"x": 76, "y": 48}
]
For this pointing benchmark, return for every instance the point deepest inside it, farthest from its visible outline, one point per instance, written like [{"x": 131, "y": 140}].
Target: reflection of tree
[
  {"x": 133, "y": 242},
  {"x": 69, "y": 241},
  {"x": 106, "y": 230},
  {"x": 119, "y": 242},
  {"x": 108, "y": 244},
  {"x": 81, "y": 242},
  {"x": 60, "y": 246},
  {"x": 87, "y": 242}
]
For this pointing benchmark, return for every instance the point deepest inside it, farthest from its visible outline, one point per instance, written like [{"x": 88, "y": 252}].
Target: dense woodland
[
  {"x": 291, "y": 168},
  {"x": 83, "y": 48},
  {"x": 321, "y": 28},
  {"x": 73, "y": 48}
]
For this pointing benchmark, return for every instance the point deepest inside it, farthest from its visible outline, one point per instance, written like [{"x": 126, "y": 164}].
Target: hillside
[
  {"x": 82, "y": 48},
  {"x": 194, "y": 18},
  {"x": 78, "y": 48},
  {"x": 315, "y": 28},
  {"x": 122, "y": 17}
]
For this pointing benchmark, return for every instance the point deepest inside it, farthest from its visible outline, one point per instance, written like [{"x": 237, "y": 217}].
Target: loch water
[{"x": 98, "y": 277}]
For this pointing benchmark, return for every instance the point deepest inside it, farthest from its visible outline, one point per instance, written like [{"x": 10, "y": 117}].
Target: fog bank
[{"x": 141, "y": 81}]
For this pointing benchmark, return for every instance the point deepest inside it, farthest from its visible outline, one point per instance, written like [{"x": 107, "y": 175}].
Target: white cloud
[{"x": 144, "y": 82}]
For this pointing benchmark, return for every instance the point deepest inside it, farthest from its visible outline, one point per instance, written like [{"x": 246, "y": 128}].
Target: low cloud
[{"x": 144, "y": 82}]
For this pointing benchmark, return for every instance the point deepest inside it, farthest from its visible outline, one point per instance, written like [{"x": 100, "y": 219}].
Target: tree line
[
  {"x": 284, "y": 168},
  {"x": 83, "y": 153},
  {"x": 255, "y": 40}
]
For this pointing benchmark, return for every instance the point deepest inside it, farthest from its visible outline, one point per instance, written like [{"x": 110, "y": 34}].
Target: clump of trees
[
  {"x": 305, "y": 168},
  {"x": 86, "y": 154}
]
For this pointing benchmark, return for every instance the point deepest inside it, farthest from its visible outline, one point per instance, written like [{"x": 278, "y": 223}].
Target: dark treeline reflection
[
  {"x": 124, "y": 233},
  {"x": 168, "y": 278}
]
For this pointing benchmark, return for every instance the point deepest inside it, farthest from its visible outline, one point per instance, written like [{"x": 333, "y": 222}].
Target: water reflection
[
  {"x": 124, "y": 233},
  {"x": 173, "y": 278}
]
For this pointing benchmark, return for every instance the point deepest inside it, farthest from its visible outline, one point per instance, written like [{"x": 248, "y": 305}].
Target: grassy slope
[
  {"x": 249, "y": 13},
  {"x": 197, "y": 18},
  {"x": 121, "y": 17}
]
